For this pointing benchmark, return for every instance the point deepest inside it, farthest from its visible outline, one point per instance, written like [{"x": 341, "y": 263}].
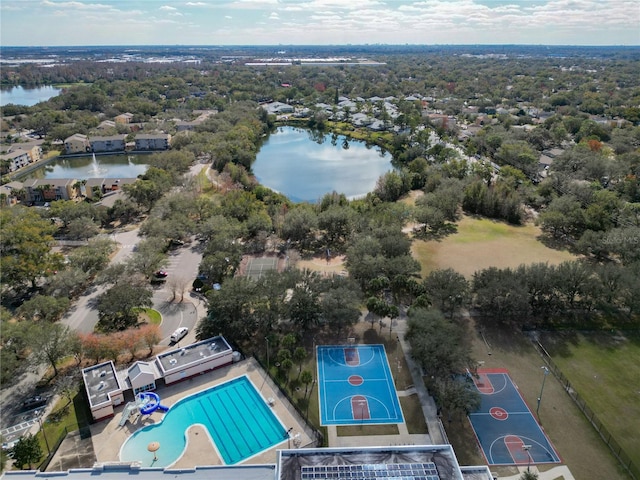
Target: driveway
[
  {"x": 82, "y": 316},
  {"x": 182, "y": 263}
]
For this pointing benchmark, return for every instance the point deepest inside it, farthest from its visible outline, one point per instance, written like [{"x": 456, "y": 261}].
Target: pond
[
  {"x": 81, "y": 168},
  {"x": 304, "y": 165},
  {"x": 27, "y": 96}
]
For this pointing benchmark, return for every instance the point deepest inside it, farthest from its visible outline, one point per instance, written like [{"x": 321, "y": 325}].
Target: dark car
[
  {"x": 34, "y": 402},
  {"x": 160, "y": 274}
]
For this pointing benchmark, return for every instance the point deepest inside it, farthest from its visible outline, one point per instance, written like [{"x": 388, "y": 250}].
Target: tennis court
[
  {"x": 355, "y": 386},
  {"x": 256, "y": 267},
  {"x": 505, "y": 427}
]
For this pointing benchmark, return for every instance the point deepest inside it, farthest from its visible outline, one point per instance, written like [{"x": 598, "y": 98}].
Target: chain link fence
[{"x": 593, "y": 419}]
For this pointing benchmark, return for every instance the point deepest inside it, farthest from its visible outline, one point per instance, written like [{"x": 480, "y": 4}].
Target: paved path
[
  {"x": 561, "y": 471},
  {"x": 429, "y": 409}
]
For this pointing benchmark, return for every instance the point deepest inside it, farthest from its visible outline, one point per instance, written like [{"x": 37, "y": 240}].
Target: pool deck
[{"x": 108, "y": 436}]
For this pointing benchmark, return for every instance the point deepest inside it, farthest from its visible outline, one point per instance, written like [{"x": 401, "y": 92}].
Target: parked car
[
  {"x": 34, "y": 402},
  {"x": 179, "y": 334}
]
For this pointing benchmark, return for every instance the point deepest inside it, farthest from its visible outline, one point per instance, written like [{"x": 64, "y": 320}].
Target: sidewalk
[
  {"x": 429, "y": 408},
  {"x": 561, "y": 471}
]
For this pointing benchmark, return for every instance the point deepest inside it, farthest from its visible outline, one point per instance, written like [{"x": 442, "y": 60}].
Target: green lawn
[
  {"x": 605, "y": 370},
  {"x": 65, "y": 417},
  {"x": 154, "y": 317},
  {"x": 481, "y": 243}
]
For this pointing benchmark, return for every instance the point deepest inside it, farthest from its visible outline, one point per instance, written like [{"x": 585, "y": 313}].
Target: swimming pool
[{"x": 239, "y": 422}]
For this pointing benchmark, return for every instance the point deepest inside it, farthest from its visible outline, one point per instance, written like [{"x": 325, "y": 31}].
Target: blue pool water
[{"x": 238, "y": 420}]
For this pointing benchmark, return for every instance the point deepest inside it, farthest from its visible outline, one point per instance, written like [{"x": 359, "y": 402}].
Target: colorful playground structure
[{"x": 145, "y": 404}]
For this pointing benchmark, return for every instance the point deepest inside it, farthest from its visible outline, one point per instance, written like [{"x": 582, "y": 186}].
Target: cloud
[
  {"x": 228, "y": 17},
  {"x": 196, "y": 4},
  {"x": 167, "y": 8},
  {"x": 255, "y": 4},
  {"x": 274, "y": 16}
]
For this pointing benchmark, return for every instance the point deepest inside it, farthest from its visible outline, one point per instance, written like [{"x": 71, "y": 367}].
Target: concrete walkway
[
  {"x": 561, "y": 471},
  {"x": 429, "y": 409}
]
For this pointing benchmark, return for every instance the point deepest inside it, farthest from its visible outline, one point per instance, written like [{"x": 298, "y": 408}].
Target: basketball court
[
  {"x": 355, "y": 386},
  {"x": 506, "y": 429}
]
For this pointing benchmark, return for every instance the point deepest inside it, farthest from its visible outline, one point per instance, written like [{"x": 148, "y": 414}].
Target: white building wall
[{"x": 196, "y": 369}]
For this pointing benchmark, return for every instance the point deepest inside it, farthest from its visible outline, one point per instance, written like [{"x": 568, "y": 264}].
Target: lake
[
  {"x": 304, "y": 165},
  {"x": 27, "y": 96},
  {"x": 81, "y": 168}
]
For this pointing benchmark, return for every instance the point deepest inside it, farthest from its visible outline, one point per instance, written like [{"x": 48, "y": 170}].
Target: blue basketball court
[
  {"x": 505, "y": 427},
  {"x": 355, "y": 386}
]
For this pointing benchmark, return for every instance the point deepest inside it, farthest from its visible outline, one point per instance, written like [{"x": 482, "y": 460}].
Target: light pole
[
  {"x": 526, "y": 448},
  {"x": 46, "y": 442},
  {"x": 546, "y": 372},
  {"x": 266, "y": 339}
]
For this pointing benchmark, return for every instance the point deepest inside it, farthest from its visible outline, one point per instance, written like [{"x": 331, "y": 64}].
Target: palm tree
[{"x": 306, "y": 378}]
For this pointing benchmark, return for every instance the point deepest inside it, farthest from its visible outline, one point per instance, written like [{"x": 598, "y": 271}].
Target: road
[
  {"x": 83, "y": 315},
  {"x": 182, "y": 263}
]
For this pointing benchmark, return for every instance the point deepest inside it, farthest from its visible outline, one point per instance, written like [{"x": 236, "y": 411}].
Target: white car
[{"x": 179, "y": 334}]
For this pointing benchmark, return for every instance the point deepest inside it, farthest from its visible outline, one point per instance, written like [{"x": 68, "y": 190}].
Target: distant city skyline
[{"x": 318, "y": 22}]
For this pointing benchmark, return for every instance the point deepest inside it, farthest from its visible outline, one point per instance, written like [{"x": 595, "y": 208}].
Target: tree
[
  {"x": 299, "y": 356},
  {"x": 336, "y": 223},
  {"x": 25, "y": 246},
  {"x": 82, "y": 228},
  {"x": 574, "y": 280},
  {"x": 447, "y": 289},
  {"x": 95, "y": 347},
  {"x": 66, "y": 283},
  {"x": 116, "y": 307},
  {"x": 124, "y": 211},
  {"x": 113, "y": 274},
  {"x": 304, "y": 307},
  {"x": 518, "y": 154},
  {"x": 437, "y": 344},
  {"x": 230, "y": 311},
  {"x": 42, "y": 307},
  {"x": 456, "y": 396},
  {"x": 150, "y": 335},
  {"x": 391, "y": 186},
  {"x": 285, "y": 366},
  {"x": 178, "y": 286},
  {"x": 148, "y": 257},
  {"x": 130, "y": 340},
  {"x": 529, "y": 475},
  {"x": 51, "y": 343},
  {"x": 27, "y": 451},
  {"x": 67, "y": 386},
  {"x": 148, "y": 190},
  {"x": 92, "y": 257},
  {"x": 299, "y": 225},
  {"x": 501, "y": 294},
  {"x": 378, "y": 307},
  {"x": 222, "y": 264},
  {"x": 306, "y": 377},
  {"x": 340, "y": 306}
]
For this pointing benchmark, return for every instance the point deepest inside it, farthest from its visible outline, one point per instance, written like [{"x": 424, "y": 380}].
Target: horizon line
[{"x": 330, "y": 45}]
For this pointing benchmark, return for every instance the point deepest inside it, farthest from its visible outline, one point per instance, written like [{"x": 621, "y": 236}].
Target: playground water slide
[{"x": 149, "y": 402}]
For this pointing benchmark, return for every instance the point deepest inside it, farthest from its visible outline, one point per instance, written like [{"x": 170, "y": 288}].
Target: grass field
[
  {"x": 605, "y": 370},
  {"x": 481, "y": 243},
  {"x": 579, "y": 446}
]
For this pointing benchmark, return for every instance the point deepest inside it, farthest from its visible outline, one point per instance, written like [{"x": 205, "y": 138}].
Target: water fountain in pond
[{"x": 96, "y": 170}]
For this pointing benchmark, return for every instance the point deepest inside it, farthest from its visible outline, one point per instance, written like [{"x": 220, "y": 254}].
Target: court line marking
[{"x": 324, "y": 352}]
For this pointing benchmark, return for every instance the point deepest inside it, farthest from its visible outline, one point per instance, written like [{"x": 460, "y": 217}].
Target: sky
[{"x": 318, "y": 22}]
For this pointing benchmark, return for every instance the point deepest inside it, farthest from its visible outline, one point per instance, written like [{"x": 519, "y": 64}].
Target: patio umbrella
[{"x": 153, "y": 447}]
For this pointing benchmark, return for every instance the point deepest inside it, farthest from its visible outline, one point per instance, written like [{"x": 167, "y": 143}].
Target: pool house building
[{"x": 106, "y": 387}]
